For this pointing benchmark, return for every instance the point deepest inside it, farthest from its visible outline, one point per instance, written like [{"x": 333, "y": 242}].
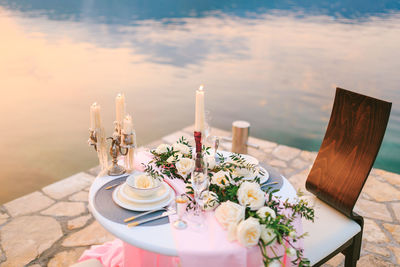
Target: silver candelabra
[{"x": 121, "y": 143}]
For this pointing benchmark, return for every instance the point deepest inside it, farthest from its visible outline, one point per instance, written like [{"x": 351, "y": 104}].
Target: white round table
[{"x": 158, "y": 238}]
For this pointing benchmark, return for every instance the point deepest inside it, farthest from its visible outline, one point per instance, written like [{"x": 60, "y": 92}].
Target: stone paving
[{"x": 53, "y": 226}]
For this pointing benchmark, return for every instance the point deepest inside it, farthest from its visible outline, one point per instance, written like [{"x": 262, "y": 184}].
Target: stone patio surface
[{"x": 53, "y": 226}]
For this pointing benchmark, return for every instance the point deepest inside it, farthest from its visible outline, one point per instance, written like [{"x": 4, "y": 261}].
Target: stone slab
[
  {"x": 264, "y": 144},
  {"x": 32, "y": 202},
  {"x": 286, "y": 153},
  {"x": 308, "y": 156},
  {"x": 376, "y": 249},
  {"x": 396, "y": 252},
  {"x": 394, "y": 230},
  {"x": 80, "y": 196},
  {"x": 26, "y": 237},
  {"x": 66, "y": 258},
  {"x": 93, "y": 234},
  {"x": 63, "y": 208},
  {"x": 300, "y": 164},
  {"x": 381, "y": 191},
  {"x": 396, "y": 210},
  {"x": 69, "y": 185},
  {"x": 336, "y": 260},
  {"x": 392, "y": 178},
  {"x": 277, "y": 163},
  {"x": 3, "y": 218},
  {"x": 373, "y": 233},
  {"x": 373, "y": 210},
  {"x": 375, "y": 261},
  {"x": 78, "y": 222}
]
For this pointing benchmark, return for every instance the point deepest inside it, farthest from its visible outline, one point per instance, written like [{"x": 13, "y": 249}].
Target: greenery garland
[{"x": 274, "y": 219}]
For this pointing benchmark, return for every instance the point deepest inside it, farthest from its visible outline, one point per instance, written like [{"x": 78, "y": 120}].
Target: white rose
[
  {"x": 267, "y": 234},
  {"x": 184, "y": 166},
  {"x": 171, "y": 159},
  {"x": 184, "y": 149},
  {"x": 248, "y": 232},
  {"x": 174, "y": 158},
  {"x": 232, "y": 232},
  {"x": 243, "y": 172},
  {"x": 144, "y": 181},
  {"x": 275, "y": 263},
  {"x": 163, "y": 148},
  {"x": 229, "y": 212},
  {"x": 211, "y": 162},
  {"x": 209, "y": 200},
  {"x": 292, "y": 234},
  {"x": 250, "y": 194},
  {"x": 219, "y": 178},
  {"x": 291, "y": 252},
  {"x": 265, "y": 212}
]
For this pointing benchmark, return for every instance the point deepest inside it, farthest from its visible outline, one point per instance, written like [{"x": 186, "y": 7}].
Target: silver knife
[{"x": 164, "y": 214}]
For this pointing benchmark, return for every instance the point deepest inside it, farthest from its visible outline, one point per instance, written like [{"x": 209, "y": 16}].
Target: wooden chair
[{"x": 348, "y": 151}]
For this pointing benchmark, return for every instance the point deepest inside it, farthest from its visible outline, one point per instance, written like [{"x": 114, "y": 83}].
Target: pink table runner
[{"x": 206, "y": 247}]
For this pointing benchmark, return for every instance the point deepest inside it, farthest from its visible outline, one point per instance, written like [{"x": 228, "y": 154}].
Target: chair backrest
[{"x": 348, "y": 151}]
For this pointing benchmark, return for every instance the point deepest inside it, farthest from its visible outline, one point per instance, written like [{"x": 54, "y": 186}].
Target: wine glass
[{"x": 199, "y": 179}]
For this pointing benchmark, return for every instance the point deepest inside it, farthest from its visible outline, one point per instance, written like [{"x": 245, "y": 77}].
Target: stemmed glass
[{"x": 199, "y": 180}]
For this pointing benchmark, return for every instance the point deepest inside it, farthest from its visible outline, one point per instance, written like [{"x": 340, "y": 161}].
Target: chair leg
[{"x": 352, "y": 253}]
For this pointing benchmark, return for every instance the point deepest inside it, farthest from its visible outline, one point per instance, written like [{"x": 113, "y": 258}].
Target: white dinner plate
[
  {"x": 248, "y": 158},
  {"x": 251, "y": 160},
  {"x": 129, "y": 205},
  {"x": 130, "y": 195}
]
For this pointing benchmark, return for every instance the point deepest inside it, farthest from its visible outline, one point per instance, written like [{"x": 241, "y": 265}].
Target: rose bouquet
[{"x": 250, "y": 215}]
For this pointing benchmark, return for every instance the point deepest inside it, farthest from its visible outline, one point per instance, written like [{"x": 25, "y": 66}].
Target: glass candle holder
[{"x": 181, "y": 204}]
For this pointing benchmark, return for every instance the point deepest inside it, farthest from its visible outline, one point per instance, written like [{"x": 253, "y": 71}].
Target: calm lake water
[{"x": 275, "y": 64}]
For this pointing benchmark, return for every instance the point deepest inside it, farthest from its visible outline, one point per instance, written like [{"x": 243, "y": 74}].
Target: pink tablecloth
[{"x": 208, "y": 246}]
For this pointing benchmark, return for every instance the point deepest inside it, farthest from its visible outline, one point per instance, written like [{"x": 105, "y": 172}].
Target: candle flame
[
  {"x": 94, "y": 104},
  {"x": 201, "y": 88}
]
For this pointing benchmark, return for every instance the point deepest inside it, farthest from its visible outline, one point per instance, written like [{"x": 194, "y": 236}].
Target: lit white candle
[
  {"x": 128, "y": 125},
  {"x": 120, "y": 108},
  {"x": 200, "y": 114},
  {"x": 95, "y": 121}
]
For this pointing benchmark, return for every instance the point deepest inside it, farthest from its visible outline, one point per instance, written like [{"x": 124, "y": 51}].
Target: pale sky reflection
[{"x": 278, "y": 72}]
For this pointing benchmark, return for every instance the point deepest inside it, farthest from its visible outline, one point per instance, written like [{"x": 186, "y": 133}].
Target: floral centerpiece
[{"x": 250, "y": 215}]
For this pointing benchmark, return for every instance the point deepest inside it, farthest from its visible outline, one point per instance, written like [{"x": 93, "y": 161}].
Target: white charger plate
[
  {"x": 161, "y": 194},
  {"x": 129, "y": 205}
]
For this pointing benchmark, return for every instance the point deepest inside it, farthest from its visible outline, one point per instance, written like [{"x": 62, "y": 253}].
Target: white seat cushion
[
  {"x": 330, "y": 230},
  {"x": 88, "y": 263}
]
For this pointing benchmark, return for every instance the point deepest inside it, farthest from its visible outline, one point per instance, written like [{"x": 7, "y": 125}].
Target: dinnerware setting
[{"x": 141, "y": 192}]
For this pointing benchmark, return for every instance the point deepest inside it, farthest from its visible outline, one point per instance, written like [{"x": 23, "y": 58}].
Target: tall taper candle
[
  {"x": 95, "y": 121},
  {"x": 128, "y": 125},
  {"x": 120, "y": 108},
  {"x": 199, "y": 122}
]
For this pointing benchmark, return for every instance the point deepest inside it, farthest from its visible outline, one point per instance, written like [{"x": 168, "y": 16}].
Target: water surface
[{"x": 274, "y": 64}]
